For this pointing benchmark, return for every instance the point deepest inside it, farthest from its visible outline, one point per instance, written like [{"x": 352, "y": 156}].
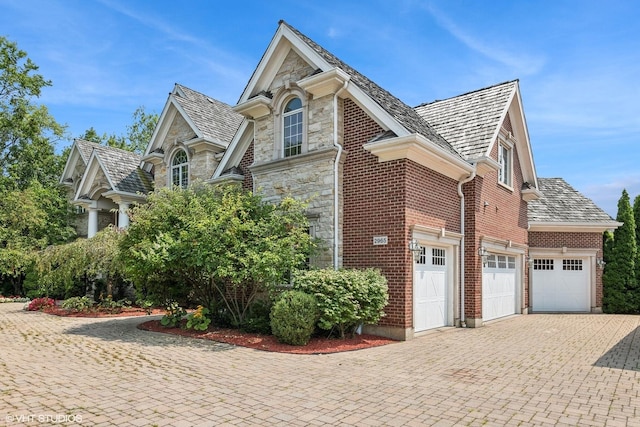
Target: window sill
[
  {"x": 505, "y": 186},
  {"x": 287, "y": 162}
]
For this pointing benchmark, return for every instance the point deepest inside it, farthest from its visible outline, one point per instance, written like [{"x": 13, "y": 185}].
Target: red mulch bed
[
  {"x": 124, "y": 312},
  {"x": 317, "y": 345}
]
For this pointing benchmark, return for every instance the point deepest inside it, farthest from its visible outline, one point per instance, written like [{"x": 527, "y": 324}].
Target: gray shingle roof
[
  {"x": 469, "y": 121},
  {"x": 562, "y": 203},
  {"x": 86, "y": 148},
  {"x": 216, "y": 120},
  {"x": 121, "y": 166},
  {"x": 404, "y": 114}
]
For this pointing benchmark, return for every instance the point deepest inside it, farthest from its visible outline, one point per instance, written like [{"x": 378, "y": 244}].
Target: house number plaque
[{"x": 380, "y": 240}]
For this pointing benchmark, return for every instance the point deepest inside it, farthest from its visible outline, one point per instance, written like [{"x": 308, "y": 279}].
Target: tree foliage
[
  {"x": 137, "y": 137},
  {"x": 220, "y": 247},
  {"x": 621, "y": 291},
  {"x": 30, "y": 220},
  {"x": 27, "y": 130},
  {"x": 69, "y": 270},
  {"x": 33, "y": 210}
]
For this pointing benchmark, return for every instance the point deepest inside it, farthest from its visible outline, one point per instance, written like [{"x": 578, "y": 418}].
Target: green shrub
[
  {"x": 293, "y": 317},
  {"x": 346, "y": 298},
  {"x": 173, "y": 315},
  {"x": 198, "y": 320},
  {"x": 77, "y": 304},
  {"x": 110, "y": 306},
  {"x": 257, "y": 320}
]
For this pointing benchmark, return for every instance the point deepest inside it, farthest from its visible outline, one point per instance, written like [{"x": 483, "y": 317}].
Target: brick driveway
[{"x": 526, "y": 370}]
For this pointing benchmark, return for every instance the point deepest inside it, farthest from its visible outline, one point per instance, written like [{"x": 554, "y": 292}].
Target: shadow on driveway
[
  {"x": 125, "y": 330},
  {"x": 624, "y": 355}
]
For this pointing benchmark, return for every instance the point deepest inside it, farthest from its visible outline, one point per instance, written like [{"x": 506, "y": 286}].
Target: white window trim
[
  {"x": 508, "y": 148},
  {"x": 170, "y": 166},
  {"x": 280, "y": 101}
]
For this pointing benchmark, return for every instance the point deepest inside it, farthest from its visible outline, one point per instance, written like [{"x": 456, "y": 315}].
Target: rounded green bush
[
  {"x": 346, "y": 298},
  {"x": 293, "y": 317}
]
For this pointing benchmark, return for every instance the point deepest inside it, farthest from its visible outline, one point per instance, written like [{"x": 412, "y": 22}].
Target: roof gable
[
  {"x": 469, "y": 121},
  {"x": 76, "y": 161},
  {"x": 391, "y": 113},
  {"x": 211, "y": 120},
  {"x": 120, "y": 169}
]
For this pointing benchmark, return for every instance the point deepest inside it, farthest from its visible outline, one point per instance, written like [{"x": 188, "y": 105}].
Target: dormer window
[
  {"x": 292, "y": 127},
  {"x": 180, "y": 169},
  {"x": 505, "y": 160}
]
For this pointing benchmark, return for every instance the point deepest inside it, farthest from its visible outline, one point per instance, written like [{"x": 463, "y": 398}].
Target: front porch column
[
  {"x": 92, "y": 226},
  {"x": 123, "y": 217}
]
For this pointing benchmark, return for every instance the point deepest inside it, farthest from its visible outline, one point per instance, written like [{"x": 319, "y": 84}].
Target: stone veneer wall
[
  {"x": 308, "y": 176},
  {"x": 201, "y": 164}
]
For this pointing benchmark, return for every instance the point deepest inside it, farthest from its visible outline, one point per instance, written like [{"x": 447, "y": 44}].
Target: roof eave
[
  {"x": 573, "y": 227},
  {"x": 124, "y": 196},
  {"x": 419, "y": 149}
]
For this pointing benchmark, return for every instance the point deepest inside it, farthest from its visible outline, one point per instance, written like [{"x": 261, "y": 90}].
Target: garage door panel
[
  {"x": 430, "y": 290},
  {"x": 561, "y": 284},
  {"x": 499, "y": 291}
]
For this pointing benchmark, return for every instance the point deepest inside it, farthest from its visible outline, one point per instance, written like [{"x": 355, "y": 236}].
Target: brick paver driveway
[{"x": 526, "y": 370}]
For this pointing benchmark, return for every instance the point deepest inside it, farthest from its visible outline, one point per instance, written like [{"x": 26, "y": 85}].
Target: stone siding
[
  {"x": 202, "y": 164},
  {"x": 308, "y": 176}
]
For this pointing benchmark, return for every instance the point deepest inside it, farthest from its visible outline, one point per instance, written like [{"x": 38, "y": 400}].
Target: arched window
[
  {"x": 180, "y": 169},
  {"x": 292, "y": 128}
]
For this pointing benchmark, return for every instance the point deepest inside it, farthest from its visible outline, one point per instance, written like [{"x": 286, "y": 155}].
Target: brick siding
[
  {"x": 385, "y": 199},
  {"x": 245, "y": 162},
  {"x": 504, "y": 217},
  {"x": 548, "y": 240}
]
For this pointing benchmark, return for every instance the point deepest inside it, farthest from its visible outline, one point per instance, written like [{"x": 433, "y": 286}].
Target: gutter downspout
[
  {"x": 336, "y": 166},
  {"x": 462, "y": 243}
]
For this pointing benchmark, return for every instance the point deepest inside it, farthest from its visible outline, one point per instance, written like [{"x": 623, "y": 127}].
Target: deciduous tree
[{"x": 222, "y": 246}]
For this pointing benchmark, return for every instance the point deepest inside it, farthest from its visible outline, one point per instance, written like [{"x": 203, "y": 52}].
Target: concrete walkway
[{"x": 526, "y": 370}]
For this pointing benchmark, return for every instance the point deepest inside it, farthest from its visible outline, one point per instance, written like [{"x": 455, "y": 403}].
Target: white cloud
[{"x": 521, "y": 63}]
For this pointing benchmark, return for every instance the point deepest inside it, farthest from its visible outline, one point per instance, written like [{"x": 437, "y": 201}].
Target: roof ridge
[
  {"x": 394, "y": 106},
  {"x": 107, "y": 147},
  {"x": 202, "y": 94},
  {"x": 467, "y": 93}
]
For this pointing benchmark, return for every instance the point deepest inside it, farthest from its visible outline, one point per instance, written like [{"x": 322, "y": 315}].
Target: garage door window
[
  {"x": 438, "y": 256},
  {"x": 422, "y": 258},
  {"x": 572, "y": 264},
  {"x": 501, "y": 262},
  {"x": 543, "y": 264}
]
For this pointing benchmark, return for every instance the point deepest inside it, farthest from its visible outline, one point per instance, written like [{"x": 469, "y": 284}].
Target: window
[
  {"x": 491, "y": 261},
  {"x": 501, "y": 261},
  {"x": 422, "y": 258},
  {"x": 572, "y": 264},
  {"x": 504, "y": 160},
  {"x": 292, "y": 128},
  {"x": 543, "y": 264},
  {"x": 437, "y": 256},
  {"x": 180, "y": 169}
]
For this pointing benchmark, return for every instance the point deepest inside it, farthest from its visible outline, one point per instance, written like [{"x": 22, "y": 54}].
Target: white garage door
[
  {"x": 561, "y": 285},
  {"x": 499, "y": 290},
  {"x": 430, "y": 289}
]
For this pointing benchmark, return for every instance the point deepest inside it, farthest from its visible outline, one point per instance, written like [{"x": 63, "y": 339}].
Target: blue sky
[{"x": 578, "y": 63}]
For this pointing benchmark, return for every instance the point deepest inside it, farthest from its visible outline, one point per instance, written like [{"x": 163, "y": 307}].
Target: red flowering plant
[{"x": 39, "y": 304}]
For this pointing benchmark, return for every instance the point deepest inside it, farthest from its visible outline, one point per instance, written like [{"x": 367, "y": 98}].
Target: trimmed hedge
[
  {"x": 346, "y": 298},
  {"x": 293, "y": 317}
]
